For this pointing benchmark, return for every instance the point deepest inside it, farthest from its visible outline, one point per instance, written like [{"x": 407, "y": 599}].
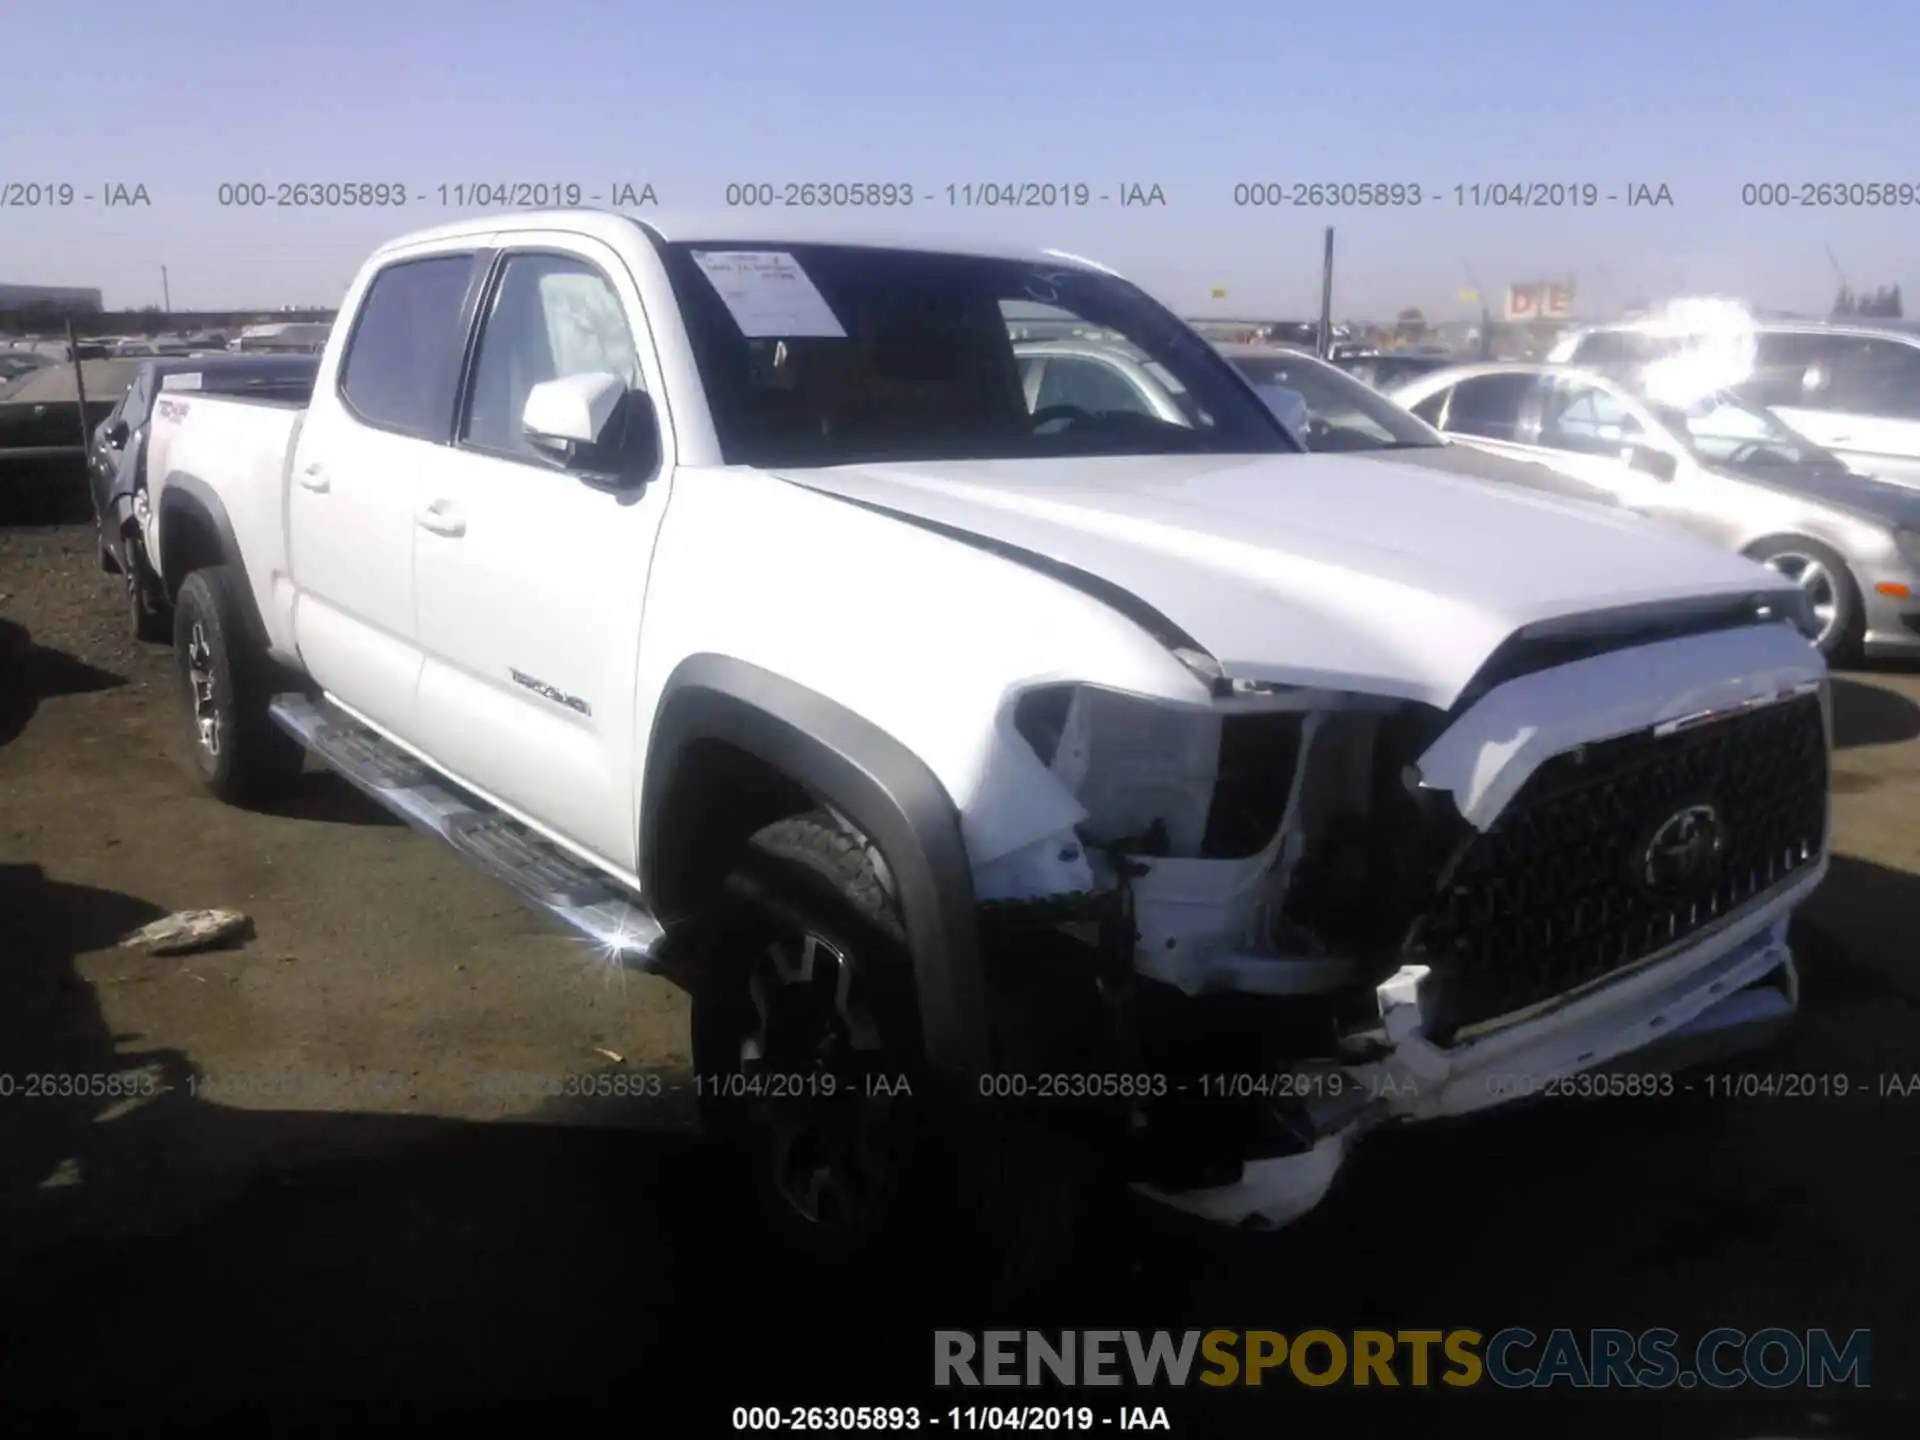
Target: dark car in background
[
  {"x": 117, "y": 461},
  {"x": 1383, "y": 371},
  {"x": 41, "y": 446}
]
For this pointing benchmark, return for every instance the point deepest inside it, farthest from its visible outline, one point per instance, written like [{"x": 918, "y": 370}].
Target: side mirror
[
  {"x": 1289, "y": 407},
  {"x": 595, "y": 426},
  {"x": 117, "y": 435},
  {"x": 1657, "y": 463}
]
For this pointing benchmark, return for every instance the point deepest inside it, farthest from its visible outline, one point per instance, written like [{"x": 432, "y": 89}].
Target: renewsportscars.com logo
[{"x": 1514, "y": 1359}]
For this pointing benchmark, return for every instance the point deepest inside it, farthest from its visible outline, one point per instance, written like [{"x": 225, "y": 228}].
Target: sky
[{"x": 1700, "y": 97}]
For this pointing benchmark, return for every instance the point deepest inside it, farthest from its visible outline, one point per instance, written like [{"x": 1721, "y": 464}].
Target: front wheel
[
  {"x": 241, "y": 755},
  {"x": 1829, "y": 587},
  {"x": 806, "y": 1047}
]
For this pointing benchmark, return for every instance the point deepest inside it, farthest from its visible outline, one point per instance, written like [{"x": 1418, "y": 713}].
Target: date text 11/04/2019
[
  {"x": 1037, "y": 1419},
  {"x": 395, "y": 194},
  {"x": 969, "y": 195},
  {"x": 1490, "y": 195}
]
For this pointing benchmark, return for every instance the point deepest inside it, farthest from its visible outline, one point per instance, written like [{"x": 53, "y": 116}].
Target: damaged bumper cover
[
  {"x": 1540, "y": 946},
  {"x": 1723, "y": 995}
]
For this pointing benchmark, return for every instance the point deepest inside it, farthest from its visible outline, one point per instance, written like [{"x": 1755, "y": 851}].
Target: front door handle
[
  {"x": 442, "y": 518},
  {"x": 314, "y": 478}
]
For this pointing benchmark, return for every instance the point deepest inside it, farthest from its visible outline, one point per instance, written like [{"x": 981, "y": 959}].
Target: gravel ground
[{"x": 342, "y": 1210}]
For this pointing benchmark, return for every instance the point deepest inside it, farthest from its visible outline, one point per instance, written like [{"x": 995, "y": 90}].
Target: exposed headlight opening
[{"x": 1315, "y": 791}]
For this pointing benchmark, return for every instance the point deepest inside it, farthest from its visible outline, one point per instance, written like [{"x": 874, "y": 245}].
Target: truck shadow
[
  {"x": 30, "y": 673},
  {"x": 321, "y": 795},
  {"x": 1867, "y": 714},
  {"x": 318, "y": 1268}
]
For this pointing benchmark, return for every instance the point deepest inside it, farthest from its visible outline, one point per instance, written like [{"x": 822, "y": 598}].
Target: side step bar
[{"x": 579, "y": 897}]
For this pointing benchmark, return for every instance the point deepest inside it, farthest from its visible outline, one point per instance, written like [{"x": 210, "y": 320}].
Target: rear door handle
[
  {"x": 314, "y": 478},
  {"x": 442, "y": 518}
]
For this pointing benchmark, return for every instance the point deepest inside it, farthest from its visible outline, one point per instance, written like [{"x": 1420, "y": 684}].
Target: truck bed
[{"x": 240, "y": 449}]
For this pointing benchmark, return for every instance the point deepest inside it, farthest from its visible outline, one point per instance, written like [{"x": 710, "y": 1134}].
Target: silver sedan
[
  {"x": 1716, "y": 466},
  {"x": 1325, "y": 408}
]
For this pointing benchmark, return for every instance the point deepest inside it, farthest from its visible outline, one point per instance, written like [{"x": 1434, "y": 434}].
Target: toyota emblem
[{"x": 1684, "y": 851}]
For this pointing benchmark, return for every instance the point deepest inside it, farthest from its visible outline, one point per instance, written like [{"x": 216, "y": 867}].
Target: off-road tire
[
  {"x": 992, "y": 1200},
  {"x": 226, "y": 676}
]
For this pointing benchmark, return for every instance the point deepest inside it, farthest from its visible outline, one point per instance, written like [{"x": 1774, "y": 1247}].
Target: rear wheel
[
  {"x": 806, "y": 1044},
  {"x": 1829, "y": 587},
  {"x": 225, "y": 684}
]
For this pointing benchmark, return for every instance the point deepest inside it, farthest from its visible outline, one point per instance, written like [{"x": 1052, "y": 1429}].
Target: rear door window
[
  {"x": 1490, "y": 406},
  {"x": 1876, "y": 377},
  {"x": 405, "y": 349},
  {"x": 1429, "y": 409},
  {"x": 1586, "y": 419}
]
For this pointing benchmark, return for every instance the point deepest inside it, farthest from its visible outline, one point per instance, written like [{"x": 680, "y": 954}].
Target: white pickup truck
[{"x": 1140, "y": 798}]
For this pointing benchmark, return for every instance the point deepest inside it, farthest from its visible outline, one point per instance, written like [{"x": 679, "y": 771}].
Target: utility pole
[
  {"x": 1326, "y": 300},
  {"x": 1844, "y": 300},
  {"x": 166, "y": 293},
  {"x": 80, "y": 393},
  {"x": 1486, "y": 315}
]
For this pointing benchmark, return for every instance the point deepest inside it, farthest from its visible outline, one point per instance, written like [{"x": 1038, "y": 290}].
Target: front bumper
[
  {"x": 1728, "y": 992},
  {"x": 1892, "y": 629}
]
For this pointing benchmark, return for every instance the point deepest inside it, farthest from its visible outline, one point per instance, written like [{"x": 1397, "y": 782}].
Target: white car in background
[
  {"x": 1728, "y": 471},
  {"x": 1853, "y": 389}
]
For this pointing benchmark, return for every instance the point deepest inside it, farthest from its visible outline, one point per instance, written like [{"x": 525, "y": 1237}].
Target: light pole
[
  {"x": 166, "y": 294},
  {"x": 1325, "y": 346}
]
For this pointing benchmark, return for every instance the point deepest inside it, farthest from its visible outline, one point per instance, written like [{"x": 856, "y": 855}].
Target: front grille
[{"x": 1555, "y": 895}]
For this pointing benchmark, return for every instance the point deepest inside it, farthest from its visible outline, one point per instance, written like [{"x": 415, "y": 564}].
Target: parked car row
[
  {"x": 1327, "y": 410},
  {"x": 1730, "y": 471}
]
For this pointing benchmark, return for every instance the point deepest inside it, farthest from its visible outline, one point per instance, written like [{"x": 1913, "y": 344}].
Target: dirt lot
[{"x": 344, "y": 1215}]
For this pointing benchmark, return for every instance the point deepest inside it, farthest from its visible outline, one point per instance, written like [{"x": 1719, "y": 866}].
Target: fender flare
[
  {"x": 189, "y": 499},
  {"x": 886, "y": 790}
]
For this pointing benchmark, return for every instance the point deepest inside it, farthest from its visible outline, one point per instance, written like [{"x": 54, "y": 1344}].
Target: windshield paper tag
[
  {"x": 180, "y": 382},
  {"x": 769, "y": 295}
]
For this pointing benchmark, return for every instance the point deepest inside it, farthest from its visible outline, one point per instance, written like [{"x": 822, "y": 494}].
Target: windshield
[
  {"x": 815, "y": 355},
  {"x": 1342, "y": 413},
  {"x": 1722, "y": 430}
]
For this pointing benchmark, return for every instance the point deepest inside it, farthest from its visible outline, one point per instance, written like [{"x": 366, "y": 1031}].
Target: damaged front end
[{"x": 1305, "y": 913}]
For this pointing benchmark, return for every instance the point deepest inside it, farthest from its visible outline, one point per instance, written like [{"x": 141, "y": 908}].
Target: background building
[{"x": 64, "y": 299}]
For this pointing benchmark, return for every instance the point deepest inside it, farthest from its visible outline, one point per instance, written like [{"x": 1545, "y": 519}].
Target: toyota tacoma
[{"x": 1032, "y": 798}]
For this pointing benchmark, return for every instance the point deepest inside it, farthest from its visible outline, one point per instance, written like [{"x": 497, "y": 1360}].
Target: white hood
[{"x": 1315, "y": 569}]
